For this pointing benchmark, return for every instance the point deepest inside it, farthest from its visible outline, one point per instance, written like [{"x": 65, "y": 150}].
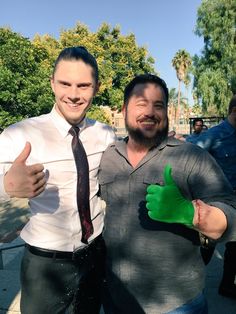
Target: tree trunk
[{"x": 178, "y": 106}]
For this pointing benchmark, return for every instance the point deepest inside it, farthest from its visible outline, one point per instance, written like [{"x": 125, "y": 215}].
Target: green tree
[
  {"x": 99, "y": 114},
  {"x": 26, "y": 67},
  {"x": 197, "y": 108},
  {"x": 215, "y": 68},
  {"x": 181, "y": 62},
  {"x": 6, "y": 118},
  {"x": 22, "y": 76}
]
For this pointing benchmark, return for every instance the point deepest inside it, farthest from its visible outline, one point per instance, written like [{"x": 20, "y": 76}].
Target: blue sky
[{"x": 162, "y": 26}]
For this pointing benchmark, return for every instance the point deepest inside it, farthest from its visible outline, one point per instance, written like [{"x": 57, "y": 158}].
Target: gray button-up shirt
[{"x": 154, "y": 267}]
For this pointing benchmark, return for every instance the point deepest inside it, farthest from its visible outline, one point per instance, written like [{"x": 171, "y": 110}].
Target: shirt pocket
[
  {"x": 153, "y": 178},
  {"x": 106, "y": 186}
]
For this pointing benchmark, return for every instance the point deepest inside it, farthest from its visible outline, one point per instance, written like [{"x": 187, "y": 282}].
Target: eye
[
  {"x": 141, "y": 104},
  {"x": 159, "y": 106},
  {"x": 84, "y": 86},
  {"x": 64, "y": 84}
]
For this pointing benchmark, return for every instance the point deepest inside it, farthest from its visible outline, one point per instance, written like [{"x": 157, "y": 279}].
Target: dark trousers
[{"x": 54, "y": 285}]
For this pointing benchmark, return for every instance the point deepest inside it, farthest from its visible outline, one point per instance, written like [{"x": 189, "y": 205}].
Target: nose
[
  {"x": 149, "y": 110},
  {"x": 74, "y": 94}
]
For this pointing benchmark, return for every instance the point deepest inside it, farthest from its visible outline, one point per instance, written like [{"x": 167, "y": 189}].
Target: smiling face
[
  {"x": 146, "y": 114},
  {"x": 74, "y": 87}
]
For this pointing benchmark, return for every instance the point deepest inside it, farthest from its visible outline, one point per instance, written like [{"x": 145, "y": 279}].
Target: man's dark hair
[
  {"x": 142, "y": 79},
  {"x": 78, "y": 53},
  {"x": 232, "y": 104},
  {"x": 197, "y": 120}
]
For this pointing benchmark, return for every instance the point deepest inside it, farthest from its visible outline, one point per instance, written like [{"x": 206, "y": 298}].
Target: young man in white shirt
[{"x": 58, "y": 269}]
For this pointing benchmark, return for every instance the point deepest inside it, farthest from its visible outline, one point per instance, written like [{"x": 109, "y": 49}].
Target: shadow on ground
[{"x": 13, "y": 216}]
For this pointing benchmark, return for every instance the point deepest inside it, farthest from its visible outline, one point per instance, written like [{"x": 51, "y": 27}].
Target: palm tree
[
  {"x": 182, "y": 62},
  {"x": 173, "y": 106}
]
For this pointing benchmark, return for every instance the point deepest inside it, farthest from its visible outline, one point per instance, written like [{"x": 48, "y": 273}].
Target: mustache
[
  {"x": 139, "y": 137},
  {"x": 149, "y": 119}
]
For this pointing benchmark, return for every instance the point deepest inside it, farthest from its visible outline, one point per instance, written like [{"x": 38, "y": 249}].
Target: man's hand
[
  {"x": 166, "y": 203},
  {"x": 24, "y": 181},
  {"x": 209, "y": 220}
]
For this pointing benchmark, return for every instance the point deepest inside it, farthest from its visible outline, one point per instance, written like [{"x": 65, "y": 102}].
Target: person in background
[
  {"x": 160, "y": 193},
  {"x": 197, "y": 130},
  {"x": 59, "y": 269},
  {"x": 220, "y": 142}
]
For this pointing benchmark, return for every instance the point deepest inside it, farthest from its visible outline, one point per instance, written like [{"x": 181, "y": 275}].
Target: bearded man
[{"x": 160, "y": 194}]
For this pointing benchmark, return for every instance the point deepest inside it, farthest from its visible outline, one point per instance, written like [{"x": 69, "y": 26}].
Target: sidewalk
[
  {"x": 9, "y": 278},
  {"x": 9, "y": 275},
  {"x": 13, "y": 216}
]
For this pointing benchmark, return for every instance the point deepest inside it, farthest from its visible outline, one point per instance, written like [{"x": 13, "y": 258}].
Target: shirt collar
[
  {"x": 169, "y": 141},
  {"x": 62, "y": 125}
]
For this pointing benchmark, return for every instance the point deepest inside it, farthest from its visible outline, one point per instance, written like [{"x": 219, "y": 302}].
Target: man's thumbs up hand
[
  {"x": 24, "y": 154},
  {"x": 24, "y": 181},
  {"x": 166, "y": 203}
]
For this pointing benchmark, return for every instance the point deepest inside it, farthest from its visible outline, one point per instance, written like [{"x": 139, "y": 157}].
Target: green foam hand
[{"x": 167, "y": 204}]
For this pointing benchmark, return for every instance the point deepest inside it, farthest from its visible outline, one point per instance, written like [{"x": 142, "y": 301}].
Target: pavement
[{"x": 14, "y": 214}]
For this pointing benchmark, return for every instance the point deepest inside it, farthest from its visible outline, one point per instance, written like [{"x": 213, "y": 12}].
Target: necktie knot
[{"x": 74, "y": 130}]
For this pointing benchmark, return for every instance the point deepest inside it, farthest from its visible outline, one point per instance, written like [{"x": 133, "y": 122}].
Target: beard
[{"x": 140, "y": 138}]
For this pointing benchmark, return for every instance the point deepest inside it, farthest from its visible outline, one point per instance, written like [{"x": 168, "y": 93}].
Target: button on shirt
[
  {"x": 220, "y": 142},
  {"x": 55, "y": 223}
]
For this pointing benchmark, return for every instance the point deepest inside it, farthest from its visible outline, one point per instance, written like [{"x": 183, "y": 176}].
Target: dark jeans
[
  {"x": 51, "y": 285},
  {"x": 196, "y": 306}
]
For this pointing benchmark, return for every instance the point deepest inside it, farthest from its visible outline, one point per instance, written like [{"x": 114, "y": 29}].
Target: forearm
[{"x": 209, "y": 220}]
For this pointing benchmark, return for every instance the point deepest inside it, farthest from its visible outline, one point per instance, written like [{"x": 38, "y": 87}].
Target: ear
[
  {"x": 123, "y": 110},
  {"x": 52, "y": 84},
  {"x": 97, "y": 87}
]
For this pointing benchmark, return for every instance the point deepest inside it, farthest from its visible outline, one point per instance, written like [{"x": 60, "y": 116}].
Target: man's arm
[
  {"x": 205, "y": 140},
  {"x": 24, "y": 181}
]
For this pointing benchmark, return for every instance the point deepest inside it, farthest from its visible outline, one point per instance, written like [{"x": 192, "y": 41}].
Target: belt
[{"x": 61, "y": 254}]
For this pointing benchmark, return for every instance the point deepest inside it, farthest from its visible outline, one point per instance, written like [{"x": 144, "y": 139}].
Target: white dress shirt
[{"x": 54, "y": 223}]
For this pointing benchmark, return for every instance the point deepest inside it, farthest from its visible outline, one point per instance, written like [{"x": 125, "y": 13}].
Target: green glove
[{"x": 166, "y": 203}]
